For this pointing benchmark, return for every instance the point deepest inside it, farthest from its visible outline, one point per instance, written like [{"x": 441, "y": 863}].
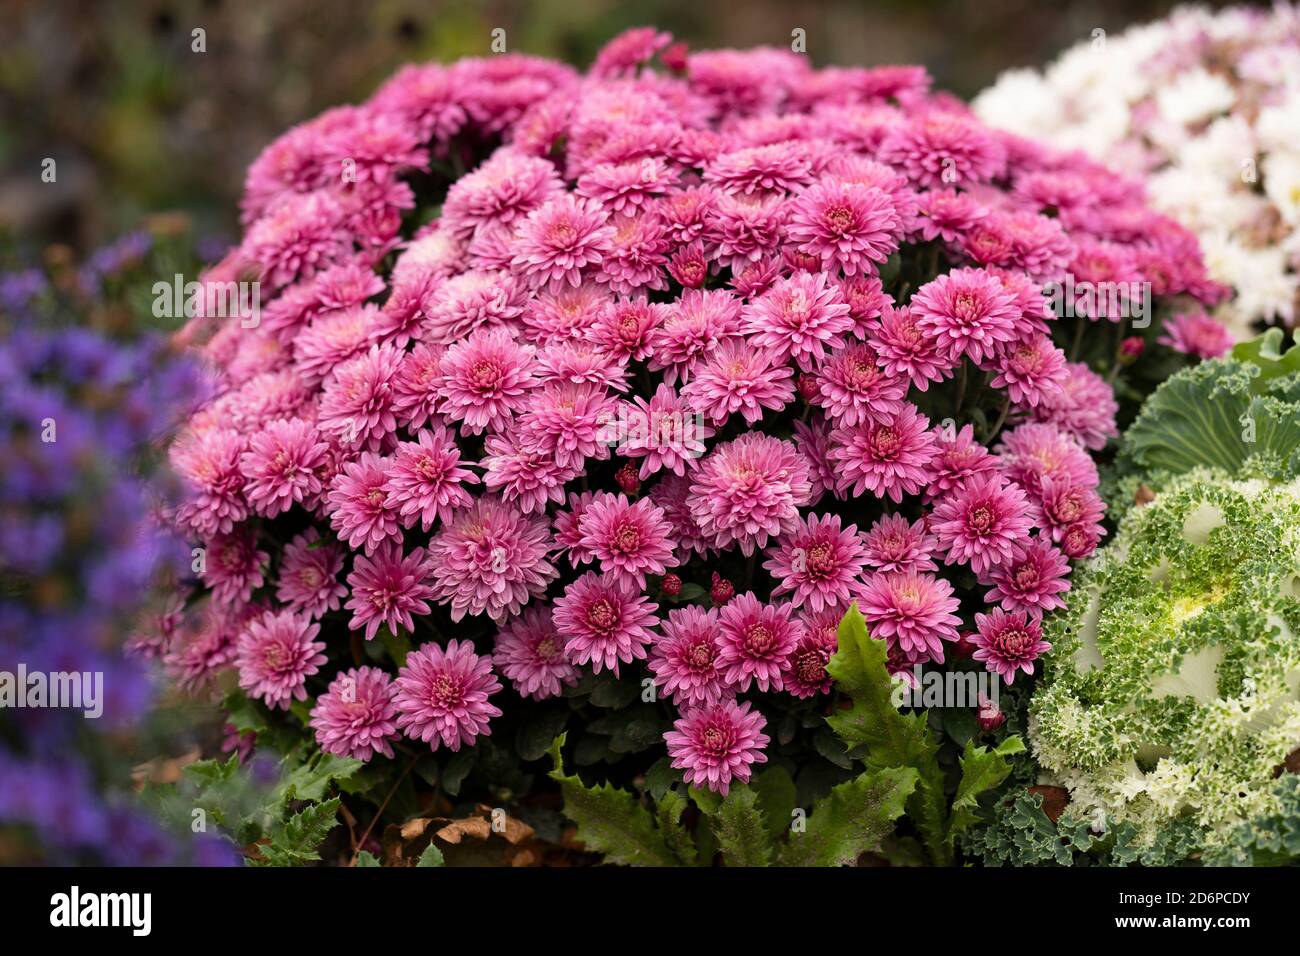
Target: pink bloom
[
  {"x": 890, "y": 458},
  {"x": 1031, "y": 581},
  {"x": 628, "y": 186},
  {"x": 696, "y": 325},
  {"x": 208, "y": 466},
  {"x": 846, "y": 226},
  {"x": 968, "y": 311},
  {"x": 817, "y": 562},
  {"x": 760, "y": 170},
  {"x": 276, "y": 654},
  {"x": 947, "y": 214},
  {"x": 603, "y": 624},
  {"x": 805, "y": 673},
  {"x": 490, "y": 558},
  {"x": 852, "y": 386},
  {"x": 356, "y": 408},
  {"x": 442, "y": 695},
  {"x": 530, "y": 653},
  {"x": 1062, "y": 505},
  {"x": 904, "y": 349},
  {"x": 939, "y": 148},
  {"x": 359, "y": 504},
  {"x": 1085, "y": 407},
  {"x": 1030, "y": 370},
  {"x": 568, "y": 422},
  {"x": 912, "y": 610},
  {"x": 470, "y": 301},
  {"x": 741, "y": 231},
  {"x": 504, "y": 189},
  {"x": 331, "y": 339},
  {"x": 685, "y": 661},
  {"x": 556, "y": 241},
  {"x": 309, "y": 575},
  {"x": 756, "y": 641},
  {"x": 1034, "y": 451},
  {"x": 298, "y": 236},
  {"x": 527, "y": 476},
  {"x": 1198, "y": 334},
  {"x": 739, "y": 377},
  {"x": 624, "y": 328},
  {"x": 800, "y": 318},
  {"x": 717, "y": 743},
  {"x": 565, "y": 314},
  {"x": 630, "y": 540},
  {"x": 664, "y": 432},
  {"x": 749, "y": 490},
  {"x": 387, "y": 589},
  {"x": 672, "y": 493},
  {"x": 485, "y": 381},
  {"x": 425, "y": 478},
  {"x": 1008, "y": 642},
  {"x": 281, "y": 466},
  {"x": 960, "y": 458},
  {"x": 984, "y": 522},
  {"x": 891, "y": 544},
  {"x": 233, "y": 566},
  {"x": 357, "y": 717}
]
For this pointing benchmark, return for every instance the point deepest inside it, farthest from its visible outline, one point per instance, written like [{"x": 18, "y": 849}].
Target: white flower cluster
[{"x": 1207, "y": 105}]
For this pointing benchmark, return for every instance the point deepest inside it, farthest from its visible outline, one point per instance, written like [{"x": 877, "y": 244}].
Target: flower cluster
[
  {"x": 734, "y": 324},
  {"x": 1206, "y": 105}
]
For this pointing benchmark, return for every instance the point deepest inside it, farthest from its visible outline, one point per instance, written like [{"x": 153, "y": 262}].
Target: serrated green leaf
[
  {"x": 297, "y": 840},
  {"x": 854, "y": 819},
  {"x": 891, "y": 738},
  {"x": 610, "y": 821},
  {"x": 312, "y": 780},
  {"x": 367, "y": 859},
  {"x": 776, "y": 798},
  {"x": 982, "y": 769},
  {"x": 740, "y": 828},
  {"x": 431, "y": 856},
  {"x": 668, "y": 814}
]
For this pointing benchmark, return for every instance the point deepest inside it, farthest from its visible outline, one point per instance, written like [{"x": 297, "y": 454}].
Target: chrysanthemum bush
[
  {"x": 1206, "y": 104},
  {"x": 594, "y": 401}
]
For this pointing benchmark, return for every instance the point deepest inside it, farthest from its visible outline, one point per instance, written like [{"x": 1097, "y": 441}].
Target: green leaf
[
  {"x": 431, "y": 856},
  {"x": 776, "y": 798},
  {"x": 367, "y": 859},
  {"x": 397, "y": 645},
  {"x": 535, "y": 735},
  {"x": 296, "y": 841},
  {"x": 312, "y": 780},
  {"x": 457, "y": 769},
  {"x": 891, "y": 739},
  {"x": 854, "y": 819},
  {"x": 1266, "y": 352},
  {"x": 610, "y": 821},
  {"x": 740, "y": 829},
  {"x": 668, "y": 814},
  {"x": 982, "y": 769}
]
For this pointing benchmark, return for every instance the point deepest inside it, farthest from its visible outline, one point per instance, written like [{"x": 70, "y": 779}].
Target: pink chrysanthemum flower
[
  {"x": 967, "y": 311},
  {"x": 556, "y": 241},
  {"x": 664, "y": 432},
  {"x": 579, "y": 362},
  {"x": 425, "y": 479},
  {"x": 332, "y": 339},
  {"x": 1031, "y": 581},
  {"x": 947, "y": 214},
  {"x": 276, "y": 654},
  {"x": 685, "y": 660},
  {"x": 208, "y": 465},
  {"x": 812, "y": 438},
  {"x": 636, "y": 261},
  {"x": 504, "y": 189},
  {"x": 847, "y": 227},
  {"x": 356, "y": 407},
  {"x": 528, "y": 476},
  {"x": 672, "y": 493},
  {"x": 357, "y": 717},
  {"x": 388, "y": 588},
  {"x": 472, "y": 300},
  {"x": 698, "y": 323},
  {"x": 905, "y": 350},
  {"x": 1062, "y": 505},
  {"x": 739, "y": 377},
  {"x": 629, "y": 539},
  {"x": 1030, "y": 370},
  {"x": 800, "y": 317},
  {"x": 1034, "y": 451},
  {"x": 233, "y": 566},
  {"x": 624, "y": 328},
  {"x": 890, "y": 458},
  {"x": 760, "y": 170},
  {"x": 529, "y": 651},
  {"x": 817, "y": 562},
  {"x": 628, "y": 186},
  {"x": 805, "y": 673},
  {"x": 358, "y": 504},
  {"x": 749, "y": 490},
  {"x": 717, "y": 743},
  {"x": 281, "y": 466},
  {"x": 891, "y": 544},
  {"x": 867, "y": 300},
  {"x": 983, "y": 523},
  {"x": 960, "y": 458},
  {"x": 568, "y": 422},
  {"x": 485, "y": 381},
  {"x": 309, "y": 575},
  {"x": 756, "y": 640},
  {"x": 1198, "y": 334},
  {"x": 912, "y": 610},
  {"x": 565, "y": 314},
  {"x": 1085, "y": 407},
  {"x": 490, "y": 558},
  {"x": 741, "y": 231},
  {"x": 442, "y": 695},
  {"x": 853, "y": 387},
  {"x": 603, "y": 624},
  {"x": 1007, "y": 643},
  {"x": 298, "y": 236},
  {"x": 940, "y": 148},
  {"x": 196, "y": 664}
]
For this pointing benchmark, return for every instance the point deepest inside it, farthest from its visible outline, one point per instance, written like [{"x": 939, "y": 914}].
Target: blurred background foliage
[{"x": 138, "y": 122}]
